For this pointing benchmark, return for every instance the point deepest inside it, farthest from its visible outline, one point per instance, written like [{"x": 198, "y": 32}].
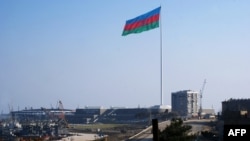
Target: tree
[{"x": 176, "y": 131}]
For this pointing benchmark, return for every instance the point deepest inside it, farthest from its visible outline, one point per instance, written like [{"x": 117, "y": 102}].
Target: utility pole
[{"x": 155, "y": 129}]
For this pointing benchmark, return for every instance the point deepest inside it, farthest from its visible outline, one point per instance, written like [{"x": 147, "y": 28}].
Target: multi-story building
[
  {"x": 236, "y": 111},
  {"x": 185, "y": 103},
  {"x": 236, "y": 105}
]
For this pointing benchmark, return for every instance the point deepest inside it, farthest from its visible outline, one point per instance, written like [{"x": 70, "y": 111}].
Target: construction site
[
  {"x": 116, "y": 123},
  {"x": 97, "y": 122},
  {"x": 42, "y": 124}
]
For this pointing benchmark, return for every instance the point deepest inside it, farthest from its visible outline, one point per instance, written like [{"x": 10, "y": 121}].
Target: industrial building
[
  {"x": 236, "y": 111},
  {"x": 236, "y": 105},
  {"x": 92, "y": 114},
  {"x": 185, "y": 103},
  {"x": 116, "y": 114},
  {"x": 54, "y": 123}
]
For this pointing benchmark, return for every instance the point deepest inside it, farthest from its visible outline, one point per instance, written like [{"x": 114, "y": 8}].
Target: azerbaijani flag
[{"x": 145, "y": 22}]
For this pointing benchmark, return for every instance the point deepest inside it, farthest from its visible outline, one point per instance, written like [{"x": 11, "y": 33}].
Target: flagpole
[
  {"x": 131, "y": 26},
  {"x": 161, "y": 65}
]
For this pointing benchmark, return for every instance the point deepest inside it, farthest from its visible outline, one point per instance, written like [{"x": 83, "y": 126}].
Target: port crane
[
  {"x": 201, "y": 95},
  {"x": 62, "y": 115}
]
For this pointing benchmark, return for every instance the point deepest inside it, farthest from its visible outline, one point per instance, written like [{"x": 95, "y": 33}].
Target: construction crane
[
  {"x": 62, "y": 115},
  {"x": 201, "y": 94}
]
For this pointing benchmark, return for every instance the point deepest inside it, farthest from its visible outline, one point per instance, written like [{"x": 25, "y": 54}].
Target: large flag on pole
[{"x": 145, "y": 22}]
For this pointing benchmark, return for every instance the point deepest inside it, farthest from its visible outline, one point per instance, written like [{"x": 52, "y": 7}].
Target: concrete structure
[
  {"x": 160, "y": 109},
  {"x": 43, "y": 113},
  {"x": 93, "y": 114},
  {"x": 236, "y": 105},
  {"x": 208, "y": 113},
  {"x": 88, "y": 114},
  {"x": 236, "y": 111},
  {"x": 185, "y": 103}
]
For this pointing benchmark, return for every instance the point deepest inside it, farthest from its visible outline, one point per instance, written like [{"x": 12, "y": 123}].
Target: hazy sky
[{"x": 73, "y": 51}]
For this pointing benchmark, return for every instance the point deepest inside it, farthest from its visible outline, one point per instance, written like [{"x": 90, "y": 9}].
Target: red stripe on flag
[{"x": 143, "y": 22}]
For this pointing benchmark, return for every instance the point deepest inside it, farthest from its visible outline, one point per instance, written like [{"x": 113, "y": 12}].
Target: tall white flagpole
[{"x": 161, "y": 65}]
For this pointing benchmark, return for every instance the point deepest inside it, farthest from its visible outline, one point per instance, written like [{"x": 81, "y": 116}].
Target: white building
[{"x": 185, "y": 103}]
